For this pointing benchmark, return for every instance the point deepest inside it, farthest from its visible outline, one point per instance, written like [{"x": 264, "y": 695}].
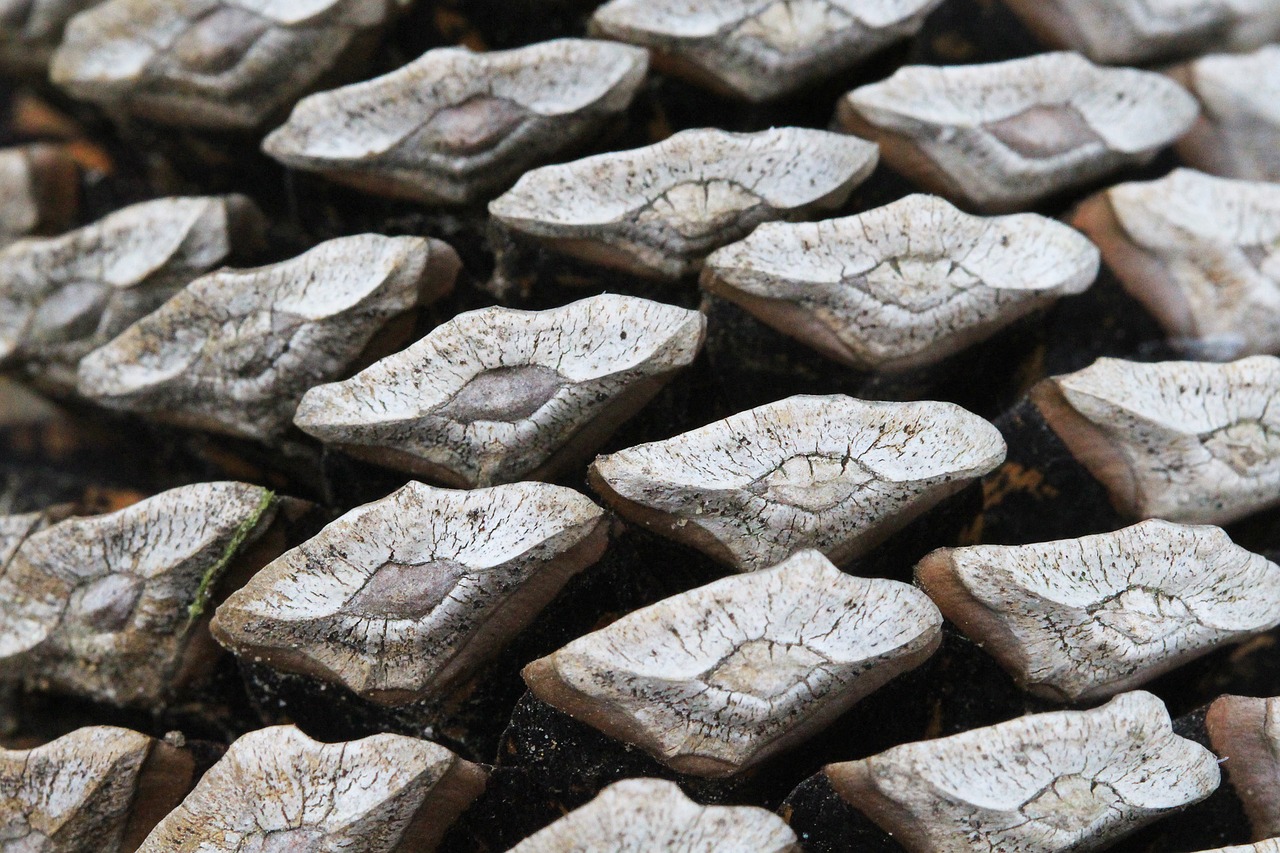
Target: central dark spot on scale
[
  {"x": 218, "y": 41},
  {"x": 474, "y": 125},
  {"x": 402, "y": 591},
  {"x": 506, "y": 394},
  {"x": 1043, "y": 132}
]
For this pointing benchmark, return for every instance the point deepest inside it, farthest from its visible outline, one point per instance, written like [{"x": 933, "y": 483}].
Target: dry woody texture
[
  {"x": 831, "y": 473},
  {"x": 63, "y": 297},
  {"x": 456, "y": 126},
  {"x": 403, "y": 597},
  {"x": 1082, "y": 619},
  {"x": 209, "y": 63},
  {"x": 901, "y": 286},
  {"x": 1070, "y": 780},
  {"x": 100, "y": 788},
  {"x": 760, "y": 49},
  {"x": 235, "y": 350},
  {"x": 1200, "y": 253},
  {"x": 658, "y": 211},
  {"x": 277, "y": 790},
  {"x": 1002, "y": 137},
  {"x": 106, "y": 606},
  {"x": 1238, "y": 132},
  {"x": 1141, "y": 31},
  {"x": 717, "y": 679},
  {"x": 655, "y": 815},
  {"x": 498, "y": 395},
  {"x": 1181, "y": 440}
]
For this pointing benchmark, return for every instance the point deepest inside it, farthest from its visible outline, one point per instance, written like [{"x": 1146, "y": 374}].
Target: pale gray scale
[{"x": 217, "y": 42}]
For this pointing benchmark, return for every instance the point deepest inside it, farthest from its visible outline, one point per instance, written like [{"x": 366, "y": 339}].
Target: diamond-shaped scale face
[
  {"x": 1201, "y": 253},
  {"x": 457, "y": 126},
  {"x": 1136, "y": 32},
  {"x": 1181, "y": 440},
  {"x": 236, "y": 350},
  {"x": 1071, "y": 780},
  {"x": 714, "y": 680},
  {"x": 653, "y": 814},
  {"x": 830, "y": 473},
  {"x": 902, "y": 285},
  {"x": 1085, "y": 618},
  {"x": 1239, "y": 125},
  {"x": 208, "y": 63},
  {"x": 92, "y": 789},
  {"x": 760, "y": 49},
  {"x": 406, "y": 596},
  {"x": 278, "y": 791},
  {"x": 62, "y": 297},
  {"x": 1005, "y": 136},
  {"x": 498, "y": 395},
  {"x": 659, "y": 210},
  {"x": 104, "y": 606}
]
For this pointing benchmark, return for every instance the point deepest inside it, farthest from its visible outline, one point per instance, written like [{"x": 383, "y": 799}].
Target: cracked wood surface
[
  {"x": 38, "y": 189},
  {"x": 403, "y": 597},
  {"x": 901, "y": 286},
  {"x": 831, "y": 473},
  {"x": 1180, "y": 440},
  {"x": 659, "y": 210},
  {"x": 1245, "y": 731},
  {"x": 760, "y": 49},
  {"x": 1069, "y": 780},
  {"x": 1202, "y": 255},
  {"x": 277, "y": 790},
  {"x": 1238, "y": 132},
  {"x": 1082, "y": 619},
  {"x": 105, "y": 606},
  {"x": 235, "y": 350},
  {"x": 1004, "y": 136},
  {"x": 1137, "y": 32},
  {"x": 652, "y": 815},
  {"x": 498, "y": 395},
  {"x": 99, "y": 789},
  {"x": 208, "y": 63},
  {"x": 456, "y": 126},
  {"x": 63, "y": 297},
  {"x": 717, "y": 679}
]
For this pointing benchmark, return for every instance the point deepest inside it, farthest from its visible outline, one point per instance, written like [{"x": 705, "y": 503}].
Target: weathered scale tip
[
  {"x": 658, "y": 211},
  {"x": 1082, "y": 619},
  {"x": 456, "y": 126},
  {"x": 1180, "y": 440},
  {"x": 655, "y": 815},
  {"x": 498, "y": 395},
  {"x": 405, "y": 597},
  {"x": 1200, "y": 253},
  {"x": 902, "y": 286},
  {"x": 1069, "y": 780},
  {"x": 717, "y": 679},
  {"x": 63, "y": 297},
  {"x": 1004, "y": 136},
  {"x": 760, "y": 49},
  {"x": 235, "y": 350},
  {"x": 830, "y": 473},
  {"x": 225, "y": 64},
  {"x": 277, "y": 790}
]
